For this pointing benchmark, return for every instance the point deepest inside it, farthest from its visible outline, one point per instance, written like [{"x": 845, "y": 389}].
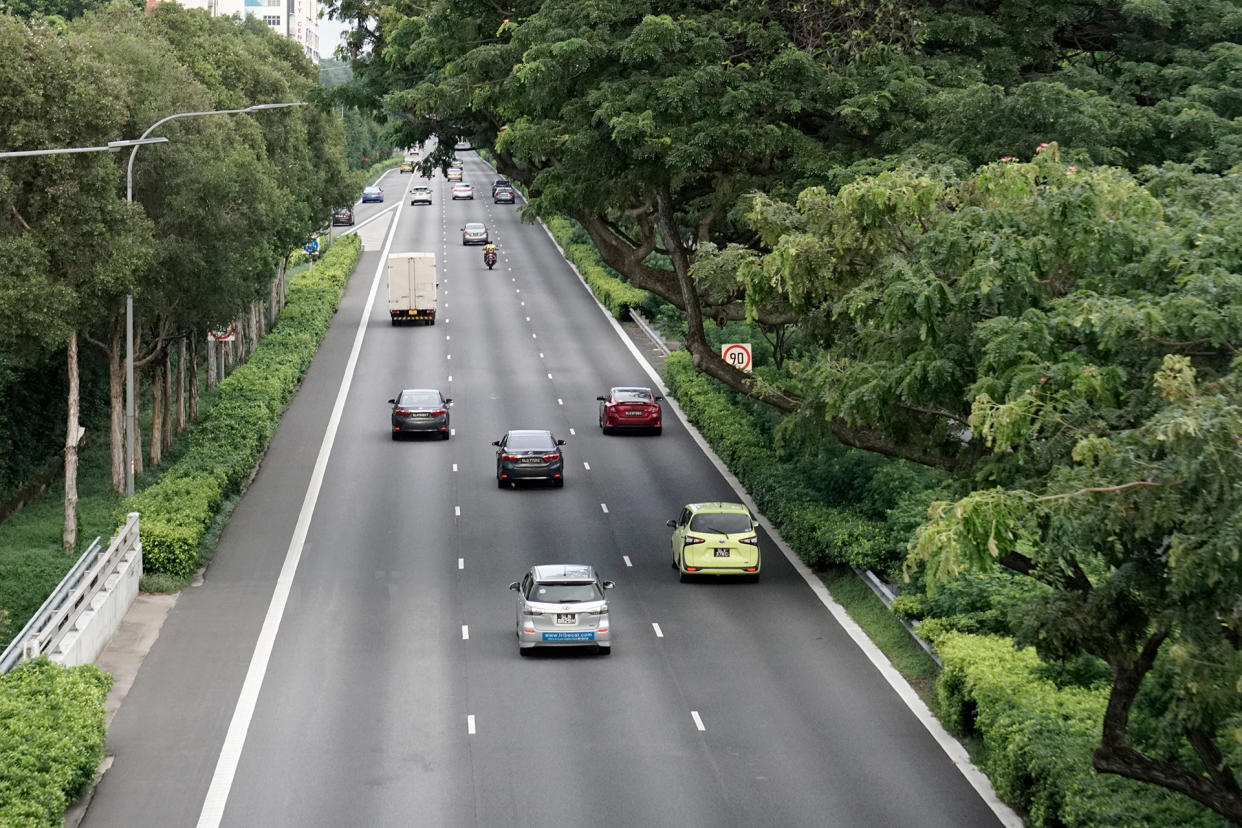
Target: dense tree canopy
[{"x": 1056, "y": 332}]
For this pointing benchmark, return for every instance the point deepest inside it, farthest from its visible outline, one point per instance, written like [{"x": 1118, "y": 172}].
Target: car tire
[
  {"x": 682, "y": 576},
  {"x": 500, "y": 484},
  {"x": 658, "y": 430},
  {"x": 396, "y": 435},
  {"x": 604, "y": 649},
  {"x": 559, "y": 483},
  {"x": 444, "y": 435},
  {"x": 754, "y": 579},
  {"x": 524, "y": 651}
]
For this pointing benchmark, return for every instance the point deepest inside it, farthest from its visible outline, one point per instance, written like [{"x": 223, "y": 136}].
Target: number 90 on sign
[{"x": 737, "y": 354}]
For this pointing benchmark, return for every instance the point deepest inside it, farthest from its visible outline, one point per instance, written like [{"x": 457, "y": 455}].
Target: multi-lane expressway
[{"x": 349, "y": 659}]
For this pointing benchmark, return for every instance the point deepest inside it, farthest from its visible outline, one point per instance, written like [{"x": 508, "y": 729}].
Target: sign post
[{"x": 737, "y": 354}]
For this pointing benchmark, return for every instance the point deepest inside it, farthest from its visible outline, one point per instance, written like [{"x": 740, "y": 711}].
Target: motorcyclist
[{"x": 489, "y": 253}]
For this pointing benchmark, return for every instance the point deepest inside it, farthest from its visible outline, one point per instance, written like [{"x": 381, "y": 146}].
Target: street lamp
[
  {"x": 129, "y": 297},
  {"x": 112, "y": 146}
]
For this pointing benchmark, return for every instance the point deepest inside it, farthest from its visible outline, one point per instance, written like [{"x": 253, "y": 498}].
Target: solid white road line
[
  {"x": 470, "y": 730},
  {"x": 698, "y": 722},
  {"x": 659, "y": 632},
  {"x": 235, "y": 739}
]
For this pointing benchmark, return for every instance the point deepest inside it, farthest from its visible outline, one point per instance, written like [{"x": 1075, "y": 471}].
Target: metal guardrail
[
  {"x": 71, "y": 597},
  {"x": 651, "y": 332}
]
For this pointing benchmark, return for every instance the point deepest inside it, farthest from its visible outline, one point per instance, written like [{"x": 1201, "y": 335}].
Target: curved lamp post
[{"x": 129, "y": 298}]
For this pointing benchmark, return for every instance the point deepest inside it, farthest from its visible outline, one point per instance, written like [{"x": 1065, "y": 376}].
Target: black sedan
[
  {"x": 529, "y": 454},
  {"x": 342, "y": 215},
  {"x": 420, "y": 410}
]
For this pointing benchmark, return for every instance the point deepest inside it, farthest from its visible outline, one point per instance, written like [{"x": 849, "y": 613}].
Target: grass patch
[{"x": 883, "y": 628}]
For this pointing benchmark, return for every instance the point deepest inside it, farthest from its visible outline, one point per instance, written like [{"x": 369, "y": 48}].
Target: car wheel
[
  {"x": 754, "y": 579},
  {"x": 604, "y": 649},
  {"x": 500, "y": 484},
  {"x": 396, "y": 435},
  {"x": 444, "y": 435},
  {"x": 524, "y": 651},
  {"x": 560, "y": 483},
  {"x": 681, "y": 573},
  {"x": 657, "y": 430}
]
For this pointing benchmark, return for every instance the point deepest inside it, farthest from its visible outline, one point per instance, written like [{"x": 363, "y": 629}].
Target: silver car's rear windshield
[
  {"x": 530, "y": 442},
  {"x": 420, "y": 399},
  {"x": 727, "y": 523},
  {"x": 564, "y": 593}
]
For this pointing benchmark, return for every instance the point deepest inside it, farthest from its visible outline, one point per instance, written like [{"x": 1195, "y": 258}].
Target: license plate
[
  {"x": 421, "y": 414},
  {"x": 531, "y": 460},
  {"x": 722, "y": 553},
  {"x": 569, "y": 636},
  {"x": 567, "y": 618},
  {"x": 633, "y": 413}
]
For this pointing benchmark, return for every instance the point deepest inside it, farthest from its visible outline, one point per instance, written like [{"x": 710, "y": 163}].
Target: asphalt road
[{"x": 394, "y": 694}]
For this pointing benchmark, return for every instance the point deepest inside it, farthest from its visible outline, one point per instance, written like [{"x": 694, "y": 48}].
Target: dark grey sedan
[
  {"x": 420, "y": 410},
  {"x": 529, "y": 454}
]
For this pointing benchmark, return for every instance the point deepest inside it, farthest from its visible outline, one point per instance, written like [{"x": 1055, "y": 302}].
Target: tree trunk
[
  {"x": 137, "y": 458},
  {"x": 69, "y": 539},
  {"x": 157, "y": 413},
  {"x": 168, "y": 398},
  {"x": 182, "y": 355},
  {"x": 212, "y": 374},
  {"x": 273, "y": 301},
  {"x": 193, "y": 368},
  {"x": 116, "y": 405}
]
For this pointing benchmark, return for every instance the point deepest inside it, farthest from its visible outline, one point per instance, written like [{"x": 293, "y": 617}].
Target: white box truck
[{"x": 412, "y": 288}]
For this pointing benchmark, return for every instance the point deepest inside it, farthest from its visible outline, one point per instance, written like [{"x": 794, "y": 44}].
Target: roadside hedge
[
  {"x": 51, "y": 739},
  {"x": 613, "y": 292},
  {"x": 225, "y": 446},
  {"x": 1038, "y": 739},
  {"x": 821, "y": 534}
]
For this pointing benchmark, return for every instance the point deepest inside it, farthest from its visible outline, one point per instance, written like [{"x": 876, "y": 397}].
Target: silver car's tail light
[{"x": 531, "y": 611}]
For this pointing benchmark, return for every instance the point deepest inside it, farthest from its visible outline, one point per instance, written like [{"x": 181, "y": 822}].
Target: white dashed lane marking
[
  {"x": 604, "y": 506},
  {"x": 698, "y": 722},
  {"x": 461, "y": 563},
  {"x": 659, "y": 632},
  {"x": 586, "y": 465},
  {"x": 465, "y": 632},
  {"x": 627, "y": 560},
  {"x": 470, "y": 729},
  {"x": 457, "y": 511}
]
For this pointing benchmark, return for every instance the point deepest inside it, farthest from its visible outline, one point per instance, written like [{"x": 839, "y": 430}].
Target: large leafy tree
[{"x": 1065, "y": 338}]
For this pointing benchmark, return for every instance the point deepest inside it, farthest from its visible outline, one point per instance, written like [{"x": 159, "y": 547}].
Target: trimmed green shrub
[
  {"x": 223, "y": 449},
  {"x": 51, "y": 739},
  {"x": 613, "y": 292},
  {"x": 1038, "y": 740}
]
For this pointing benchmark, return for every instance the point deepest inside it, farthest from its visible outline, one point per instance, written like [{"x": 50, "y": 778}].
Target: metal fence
[{"x": 71, "y": 597}]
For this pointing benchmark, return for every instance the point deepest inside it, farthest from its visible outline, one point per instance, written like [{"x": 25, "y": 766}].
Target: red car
[{"x": 630, "y": 408}]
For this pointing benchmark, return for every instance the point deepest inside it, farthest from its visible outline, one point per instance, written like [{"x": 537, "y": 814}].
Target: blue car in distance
[{"x": 372, "y": 193}]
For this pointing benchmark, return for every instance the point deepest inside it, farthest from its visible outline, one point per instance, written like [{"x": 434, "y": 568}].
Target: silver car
[
  {"x": 475, "y": 232},
  {"x": 562, "y": 605}
]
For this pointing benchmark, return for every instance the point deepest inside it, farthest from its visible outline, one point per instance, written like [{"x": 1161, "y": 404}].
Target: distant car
[
  {"x": 407, "y": 166},
  {"x": 715, "y": 539},
  {"x": 463, "y": 191},
  {"x": 453, "y": 174},
  {"x": 530, "y": 454},
  {"x": 475, "y": 232},
  {"x": 503, "y": 195},
  {"x": 342, "y": 215},
  {"x": 457, "y": 162},
  {"x": 500, "y": 182},
  {"x": 420, "y": 195},
  {"x": 420, "y": 410},
  {"x": 626, "y": 408},
  {"x": 372, "y": 193},
  {"x": 562, "y": 605}
]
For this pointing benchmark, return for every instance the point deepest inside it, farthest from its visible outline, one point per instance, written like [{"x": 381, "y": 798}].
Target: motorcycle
[{"x": 489, "y": 258}]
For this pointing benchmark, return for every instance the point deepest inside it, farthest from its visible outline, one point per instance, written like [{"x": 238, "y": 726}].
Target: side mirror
[
  {"x": 448, "y": 400},
  {"x": 495, "y": 442},
  {"x": 658, "y": 397},
  {"x": 515, "y": 586},
  {"x": 672, "y": 524},
  {"x": 608, "y": 585},
  {"x": 602, "y": 399},
  {"x": 394, "y": 402},
  {"x": 560, "y": 442}
]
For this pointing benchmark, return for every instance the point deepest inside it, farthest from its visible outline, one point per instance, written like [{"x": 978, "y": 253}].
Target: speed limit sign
[
  {"x": 222, "y": 334},
  {"x": 737, "y": 354}
]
